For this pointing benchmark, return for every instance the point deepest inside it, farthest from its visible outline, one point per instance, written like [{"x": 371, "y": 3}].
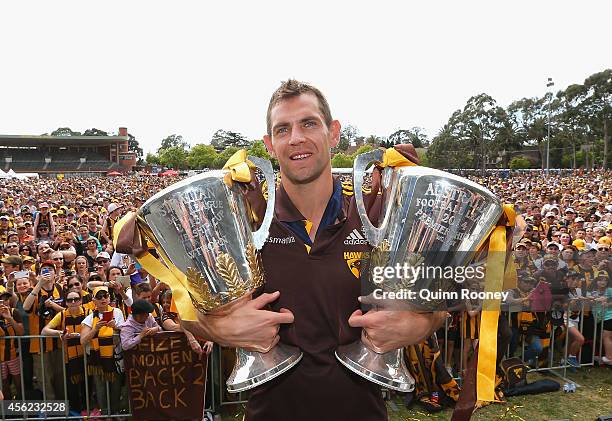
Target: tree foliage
[
  {"x": 172, "y": 141},
  {"x": 94, "y": 132},
  {"x": 64, "y": 131},
  {"x": 223, "y": 139}
]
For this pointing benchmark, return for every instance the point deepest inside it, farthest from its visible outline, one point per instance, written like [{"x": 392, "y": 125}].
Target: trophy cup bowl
[
  {"x": 428, "y": 218},
  {"x": 202, "y": 228}
]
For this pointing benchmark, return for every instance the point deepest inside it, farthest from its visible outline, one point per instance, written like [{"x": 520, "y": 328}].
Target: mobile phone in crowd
[
  {"x": 21, "y": 274},
  {"x": 107, "y": 316}
]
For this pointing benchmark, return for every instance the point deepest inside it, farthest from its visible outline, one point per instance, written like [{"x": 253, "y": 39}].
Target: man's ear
[
  {"x": 268, "y": 142},
  {"x": 334, "y": 129}
]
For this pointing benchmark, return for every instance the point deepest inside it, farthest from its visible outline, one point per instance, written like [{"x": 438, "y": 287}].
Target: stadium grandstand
[{"x": 50, "y": 156}]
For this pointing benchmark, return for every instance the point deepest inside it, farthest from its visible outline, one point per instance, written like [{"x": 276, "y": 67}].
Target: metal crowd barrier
[
  {"x": 561, "y": 364},
  {"x": 217, "y": 395},
  {"x": 88, "y": 407}
]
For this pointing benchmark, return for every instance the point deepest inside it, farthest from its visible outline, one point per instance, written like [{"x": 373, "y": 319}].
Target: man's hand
[
  {"x": 386, "y": 330},
  {"x": 243, "y": 324}
]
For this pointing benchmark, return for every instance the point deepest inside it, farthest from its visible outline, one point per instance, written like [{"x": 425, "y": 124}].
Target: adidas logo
[{"x": 355, "y": 238}]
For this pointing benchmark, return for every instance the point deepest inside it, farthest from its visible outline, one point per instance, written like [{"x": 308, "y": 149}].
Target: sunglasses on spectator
[
  {"x": 76, "y": 284},
  {"x": 603, "y": 249},
  {"x": 91, "y": 242},
  {"x": 102, "y": 260},
  {"x": 10, "y": 246},
  {"x": 73, "y": 300},
  {"x": 57, "y": 258},
  {"x": 21, "y": 228},
  {"x": 102, "y": 296}
]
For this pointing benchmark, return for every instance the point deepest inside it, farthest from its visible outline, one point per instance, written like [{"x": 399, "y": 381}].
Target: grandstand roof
[{"x": 26, "y": 140}]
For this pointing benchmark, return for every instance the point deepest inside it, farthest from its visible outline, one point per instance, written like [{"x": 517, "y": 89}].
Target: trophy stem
[
  {"x": 387, "y": 370},
  {"x": 255, "y": 368}
]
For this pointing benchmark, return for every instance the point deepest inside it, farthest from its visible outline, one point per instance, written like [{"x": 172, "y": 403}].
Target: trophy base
[
  {"x": 255, "y": 368},
  {"x": 387, "y": 370}
]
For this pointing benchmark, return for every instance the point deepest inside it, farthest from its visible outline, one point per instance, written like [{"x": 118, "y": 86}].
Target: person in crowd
[
  {"x": 76, "y": 283},
  {"x": 41, "y": 305},
  {"x": 66, "y": 325},
  {"x": 139, "y": 324},
  {"x": 572, "y": 318},
  {"x": 10, "y": 325},
  {"x": 601, "y": 296},
  {"x": 97, "y": 333}
]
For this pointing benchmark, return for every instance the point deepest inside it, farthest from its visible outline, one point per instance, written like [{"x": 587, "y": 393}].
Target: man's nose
[{"x": 297, "y": 135}]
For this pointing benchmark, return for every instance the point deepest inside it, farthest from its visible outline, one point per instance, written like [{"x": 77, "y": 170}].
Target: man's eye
[
  {"x": 310, "y": 124},
  {"x": 281, "y": 130}
]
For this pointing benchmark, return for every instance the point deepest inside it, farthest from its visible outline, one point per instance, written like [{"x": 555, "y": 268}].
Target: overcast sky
[{"x": 192, "y": 67}]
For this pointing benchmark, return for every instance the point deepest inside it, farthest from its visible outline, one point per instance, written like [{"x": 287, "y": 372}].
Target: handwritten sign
[{"x": 166, "y": 379}]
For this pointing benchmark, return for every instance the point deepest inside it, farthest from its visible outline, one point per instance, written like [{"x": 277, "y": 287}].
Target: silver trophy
[
  {"x": 429, "y": 218},
  {"x": 202, "y": 227}
]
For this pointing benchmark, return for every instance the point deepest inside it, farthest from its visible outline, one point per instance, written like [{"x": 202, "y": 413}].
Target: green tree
[
  {"x": 152, "y": 159},
  {"x": 64, "y": 131},
  {"x": 416, "y": 136},
  {"x": 363, "y": 149},
  {"x": 94, "y": 132},
  {"x": 519, "y": 162},
  {"x": 224, "y": 156},
  {"x": 202, "y": 156},
  {"x": 348, "y": 137},
  {"x": 593, "y": 101},
  {"x": 174, "y": 157},
  {"x": 258, "y": 148},
  {"x": 342, "y": 160},
  {"x": 172, "y": 141},
  {"x": 222, "y": 139},
  {"x": 134, "y": 146}
]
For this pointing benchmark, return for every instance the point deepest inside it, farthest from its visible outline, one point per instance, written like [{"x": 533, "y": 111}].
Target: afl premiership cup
[
  {"x": 428, "y": 219},
  {"x": 202, "y": 228}
]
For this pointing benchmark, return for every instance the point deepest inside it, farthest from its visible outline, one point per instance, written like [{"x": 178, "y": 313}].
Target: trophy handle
[
  {"x": 260, "y": 236},
  {"x": 373, "y": 235}
]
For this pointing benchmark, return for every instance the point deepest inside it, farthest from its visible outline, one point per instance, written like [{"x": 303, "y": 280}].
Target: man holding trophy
[
  {"x": 311, "y": 291},
  {"x": 303, "y": 345}
]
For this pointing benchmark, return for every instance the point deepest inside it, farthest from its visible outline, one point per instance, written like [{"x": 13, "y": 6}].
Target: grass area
[{"x": 592, "y": 398}]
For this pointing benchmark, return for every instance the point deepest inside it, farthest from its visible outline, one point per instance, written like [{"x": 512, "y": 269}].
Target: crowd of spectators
[
  {"x": 65, "y": 295},
  {"x": 62, "y": 280}
]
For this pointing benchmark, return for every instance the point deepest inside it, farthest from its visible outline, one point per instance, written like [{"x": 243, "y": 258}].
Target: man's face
[
  {"x": 145, "y": 295},
  {"x": 300, "y": 139},
  {"x": 84, "y": 232}
]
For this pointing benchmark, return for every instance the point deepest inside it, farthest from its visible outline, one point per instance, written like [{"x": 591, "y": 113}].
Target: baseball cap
[
  {"x": 113, "y": 207},
  {"x": 579, "y": 219},
  {"x": 142, "y": 307},
  {"x": 569, "y": 210},
  {"x": 549, "y": 214},
  {"x": 43, "y": 205},
  {"x": 550, "y": 257},
  {"x": 5, "y": 217},
  {"x": 12, "y": 260},
  {"x": 579, "y": 243},
  {"x": 103, "y": 255},
  {"x": 602, "y": 274},
  {"x": 98, "y": 289}
]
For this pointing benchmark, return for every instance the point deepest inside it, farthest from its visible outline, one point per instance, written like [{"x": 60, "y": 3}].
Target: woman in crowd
[
  {"x": 67, "y": 326},
  {"x": 97, "y": 335},
  {"x": 81, "y": 267},
  {"x": 75, "y": 283},
  {"x": 602, "y": 309}
]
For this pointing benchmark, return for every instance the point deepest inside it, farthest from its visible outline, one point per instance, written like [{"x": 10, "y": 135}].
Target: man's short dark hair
[{"x": 292, "y": 88}]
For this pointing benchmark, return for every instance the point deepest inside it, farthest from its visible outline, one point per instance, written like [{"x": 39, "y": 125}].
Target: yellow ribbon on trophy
[
  {"x": 393, "y": 158},
  {"x": 239, "y": 168},
  {"x": 494, "y": 282},
  {"x": 129, "y": 228}
]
